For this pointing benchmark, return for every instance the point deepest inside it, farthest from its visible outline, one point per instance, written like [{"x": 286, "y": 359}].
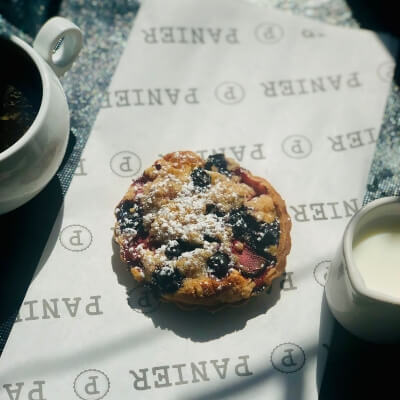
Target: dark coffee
[{"x": 20, "y": 93}]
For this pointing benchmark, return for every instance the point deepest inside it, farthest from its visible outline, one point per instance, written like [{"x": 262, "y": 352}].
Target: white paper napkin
[{"x": 294, "y": 100}]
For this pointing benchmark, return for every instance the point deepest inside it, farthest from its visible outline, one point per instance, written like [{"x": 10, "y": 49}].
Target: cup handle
[{"x": 59, "y": 42}]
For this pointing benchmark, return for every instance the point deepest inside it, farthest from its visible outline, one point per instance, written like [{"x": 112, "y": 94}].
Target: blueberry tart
[{"x": 202, "y": 232}]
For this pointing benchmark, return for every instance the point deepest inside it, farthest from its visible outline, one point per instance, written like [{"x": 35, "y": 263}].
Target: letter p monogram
[{"x": 288, "y": 358}]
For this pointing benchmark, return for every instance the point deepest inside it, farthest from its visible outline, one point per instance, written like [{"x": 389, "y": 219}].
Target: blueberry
[
  {"x": 218, "y": 264},
  {"x": 219, "y": 162},
  {"x": 271, "y": 260},
  {"x": 124, "y": 208},
  {"x": 200, "y": 177},
  {"x": 266, "y": 235},
  {"x": 174, "y": 249},
  {"x": 130, "y": 216},
  {"x": 258, "y": 235},
  {"x": 239, "y": 220},
  {"x": 213, "y": 209},
  {"x": 167, "y": 279}
]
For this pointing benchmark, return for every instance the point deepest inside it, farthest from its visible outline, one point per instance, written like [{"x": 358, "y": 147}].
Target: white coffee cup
[
  {"x": 29, "y": 164},
  {"x": 370, "y": 314}
]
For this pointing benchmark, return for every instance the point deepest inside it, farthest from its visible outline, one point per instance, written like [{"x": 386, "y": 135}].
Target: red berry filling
[
  {"x": 256, "y": 185},
  {"x": 131, "y": 253},
  {"x": 252, "y": 265}
]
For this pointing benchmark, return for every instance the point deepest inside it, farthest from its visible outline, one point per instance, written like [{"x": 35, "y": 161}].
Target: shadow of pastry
[{"x": 196, "y": 324}]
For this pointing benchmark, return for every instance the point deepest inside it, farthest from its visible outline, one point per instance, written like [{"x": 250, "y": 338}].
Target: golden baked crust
[{"x": 203, "y": 232}]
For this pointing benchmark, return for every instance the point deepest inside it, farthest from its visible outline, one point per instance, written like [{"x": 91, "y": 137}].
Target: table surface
[{"x": 352, "y": 365}]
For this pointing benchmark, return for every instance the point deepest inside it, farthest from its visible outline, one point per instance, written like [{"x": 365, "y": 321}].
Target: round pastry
[{"x": 202, "y": 232}]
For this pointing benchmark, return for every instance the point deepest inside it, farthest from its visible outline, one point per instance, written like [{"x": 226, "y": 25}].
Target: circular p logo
[
  {"x": 76, "y": 237},
  {"x": 386, "y": 71},
  {"x": 269, "y": 33},
  {"x": 125, "y": 164},
  {"x": 297, "y": 146},
  {"x": 288, "y": 358},
  {"x": 91, "y": 384},
  {"x": 321, "y": 272},
  {"x": 229, "y": 93}
]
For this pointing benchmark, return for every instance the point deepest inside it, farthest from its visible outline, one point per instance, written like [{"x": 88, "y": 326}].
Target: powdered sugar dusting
[
  {"x": 184, "y": 218},
  {"x": 186, "y": 223},
  {"x": 175, "y": 209}
]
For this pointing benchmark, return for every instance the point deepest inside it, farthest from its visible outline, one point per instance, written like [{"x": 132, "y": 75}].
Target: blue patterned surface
[{"x": 106, "y": 25}]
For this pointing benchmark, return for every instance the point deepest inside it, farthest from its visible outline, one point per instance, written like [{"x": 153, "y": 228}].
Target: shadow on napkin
[
  {"x": 25, "y": 232},
  {"x": 293, "y": 384},
  {"x": 198, "y": 325}
]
